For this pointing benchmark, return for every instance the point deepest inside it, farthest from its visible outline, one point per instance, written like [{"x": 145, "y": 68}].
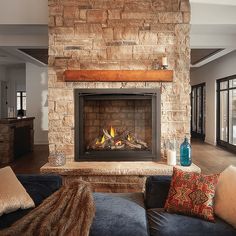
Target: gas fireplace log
[
  {"x": 133, "y": 145},
  {"x": 107, "y": 135},
  {"x": 142, "y": 143},
  {"x": 117, "y": 147}
]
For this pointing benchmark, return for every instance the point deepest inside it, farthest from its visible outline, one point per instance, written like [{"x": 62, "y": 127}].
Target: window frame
[{"x": 225, "y": 144}]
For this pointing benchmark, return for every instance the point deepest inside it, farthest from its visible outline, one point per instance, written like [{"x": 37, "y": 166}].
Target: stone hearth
[{"x": 114, "y": 176}]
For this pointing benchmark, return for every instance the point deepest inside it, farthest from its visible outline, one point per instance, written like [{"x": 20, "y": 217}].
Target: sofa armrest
[
  {"x": 40, "y": 187},
  {"x": 157, "y": 188}
]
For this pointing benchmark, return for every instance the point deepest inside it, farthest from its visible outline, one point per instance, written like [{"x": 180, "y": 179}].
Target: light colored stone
[
  {"x": 147, "y": 38},
  {"x": 119, "y": 53},
  {"x": 138, "y": 15},
  {"x": 114, "y": 14},
  {"x": 119, "y": 34},
  {"x": 96, "y": 16}
]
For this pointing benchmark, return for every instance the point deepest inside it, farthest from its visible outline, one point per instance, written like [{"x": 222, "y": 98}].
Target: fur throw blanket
[{"x": 69, "y": 211}]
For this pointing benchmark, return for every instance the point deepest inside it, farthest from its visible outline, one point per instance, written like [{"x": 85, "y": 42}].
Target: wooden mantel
[{"x": 118, "y": 75}]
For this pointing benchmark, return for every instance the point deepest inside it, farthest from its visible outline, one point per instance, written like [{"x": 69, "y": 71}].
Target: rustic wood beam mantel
[{"x": 118, "y": 75}]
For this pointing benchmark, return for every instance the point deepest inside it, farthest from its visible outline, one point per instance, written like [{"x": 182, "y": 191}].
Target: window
[
  {"x": 198, "y": 111},
  {"x": 226, "y": 117},
  {"x": 21, "y": 101}
]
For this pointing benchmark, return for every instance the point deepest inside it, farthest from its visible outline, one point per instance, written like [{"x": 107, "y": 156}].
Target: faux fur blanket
[{"x": 69, "y": 211}]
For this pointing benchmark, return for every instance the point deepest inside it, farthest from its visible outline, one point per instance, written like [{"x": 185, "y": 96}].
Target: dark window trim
[
  {"x": 195, "y": 133},
  {"x": 21, "y": 98},
  {"x": 221, "y": 143}
]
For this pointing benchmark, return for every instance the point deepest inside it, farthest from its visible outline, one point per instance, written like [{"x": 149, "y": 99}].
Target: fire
[
  {"x": 129, "y": 137},
  {"x": 118, "y": 143},
  {"x": 112, "y": 132},
  {"x": 102, "y": 140}
]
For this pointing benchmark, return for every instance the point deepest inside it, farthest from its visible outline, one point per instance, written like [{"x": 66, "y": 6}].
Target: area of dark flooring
[{"x": 209, "y": 158}]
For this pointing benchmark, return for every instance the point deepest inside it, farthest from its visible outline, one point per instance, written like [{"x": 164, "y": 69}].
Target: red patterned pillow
[{"x": 192, "y": 194}]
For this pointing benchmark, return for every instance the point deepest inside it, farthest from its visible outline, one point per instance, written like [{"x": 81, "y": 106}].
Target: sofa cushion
[
  {"x": 162, "y": 223},
  {"x": 192, "y": 194},
  {"x": 157, "y": 188},
  {"x": 39, "y": 187},
  {"x": 13, "y": 195},
  {"x": 225, "y": 204},
  {"x": 119, "y": 215}
]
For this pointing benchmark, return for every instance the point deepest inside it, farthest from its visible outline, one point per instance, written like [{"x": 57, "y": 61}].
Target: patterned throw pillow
[{"x": 192, "y": 194}]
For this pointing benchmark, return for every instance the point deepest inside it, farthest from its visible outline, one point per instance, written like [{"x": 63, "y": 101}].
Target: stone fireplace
[
  {"x": 118, "y": 35},
  {"x": 117, "y": 125}
]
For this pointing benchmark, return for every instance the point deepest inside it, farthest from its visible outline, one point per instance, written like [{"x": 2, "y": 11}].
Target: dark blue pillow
[
  {"x": 118, "y": 216},
  {"x": 157, "y": 188}
]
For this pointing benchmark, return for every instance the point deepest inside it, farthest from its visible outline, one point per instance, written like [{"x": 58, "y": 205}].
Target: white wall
[
  {"x": 37, "y": 90},
  {"x": 209, "y": 73},
  {"x": 24, "y": 12},
  {"x": 15, "y": 76},
  {"x": 2, "y": 73}
]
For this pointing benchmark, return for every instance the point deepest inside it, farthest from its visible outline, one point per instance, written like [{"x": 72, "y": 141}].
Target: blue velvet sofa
[{"x": 122, "y": 214}]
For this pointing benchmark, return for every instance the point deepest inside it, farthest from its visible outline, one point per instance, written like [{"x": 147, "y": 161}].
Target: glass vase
[{"x": 185, "y": 153}]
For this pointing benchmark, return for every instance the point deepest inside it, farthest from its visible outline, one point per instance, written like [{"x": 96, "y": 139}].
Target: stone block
[
  {"x": 126, "y": 33},
  {"x": 186, "y": 17},
  {"x": 51, "y": 21},
  {"x": 139, "y": 15},
  {"x": 55, "y": 10},
  {"x": 125, "y": 23},
  {"x": 70, "y": 12},
  {"x": 170, "y": 17},
  {"x": 185, "y": 5},
  {"x": 59, "y": 20},
  {"x": 96, "y": 16},
  {"x": 107, "y": 33},
  {"x": 147, "y": 38},
  {"x": 114, "y": 14},
  {"x": 64, "y": 30},
  {"x": 139, "y": 6},
  {"x": 83, "y": 14},
  {"x": 119, "y": 53},
  {"x": 107, "y": 4}
]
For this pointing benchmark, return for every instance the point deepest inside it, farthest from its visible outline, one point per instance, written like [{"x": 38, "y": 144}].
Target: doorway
[
  {"x": 198, "y": 111},
  {"x": 226, "y": 113},
  {"x": 3, "y": 101}
]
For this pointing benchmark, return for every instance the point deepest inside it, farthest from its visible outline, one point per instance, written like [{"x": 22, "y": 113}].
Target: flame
[
  {"x": 118, "y": 143},
  {"x": 102, "y": 140},
  {"x": 129, "y": 137},
  {"x": 112, "y": 132}
]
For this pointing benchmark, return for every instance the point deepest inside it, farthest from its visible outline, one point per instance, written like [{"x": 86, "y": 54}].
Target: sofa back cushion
[
  {"x": 225, "y": 198},
  {"x": 157, "y": 188},
  {"x": 39, "y": 187},
  {"x": 13, "y": 195}
]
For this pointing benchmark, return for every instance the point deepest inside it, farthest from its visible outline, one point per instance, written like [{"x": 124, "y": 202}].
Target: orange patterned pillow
[{"x": 192, "y": 194}]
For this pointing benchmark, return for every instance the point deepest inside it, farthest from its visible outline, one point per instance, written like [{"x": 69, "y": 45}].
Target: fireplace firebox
[{"x": 117, "y": 124}]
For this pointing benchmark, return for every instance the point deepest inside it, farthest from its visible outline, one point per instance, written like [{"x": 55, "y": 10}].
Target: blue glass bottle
[{"x": 185, "y": 153}]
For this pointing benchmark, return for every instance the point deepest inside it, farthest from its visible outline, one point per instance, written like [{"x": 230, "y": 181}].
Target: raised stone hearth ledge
[
  {"x": 116, "y": 168},
  {"x": 113, "y": 176}
]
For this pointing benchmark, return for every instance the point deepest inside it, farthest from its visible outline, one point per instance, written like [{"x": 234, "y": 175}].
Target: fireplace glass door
[{"x": 111, "y": 125}]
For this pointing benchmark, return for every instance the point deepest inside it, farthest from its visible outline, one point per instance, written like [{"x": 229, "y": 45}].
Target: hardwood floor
[
  {"x": 31, "y": 162},
  {"x": 209, "y": 158}
]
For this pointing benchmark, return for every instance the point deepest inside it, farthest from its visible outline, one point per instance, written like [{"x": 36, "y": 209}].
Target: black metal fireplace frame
[{"x": 108, "y": 155}]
